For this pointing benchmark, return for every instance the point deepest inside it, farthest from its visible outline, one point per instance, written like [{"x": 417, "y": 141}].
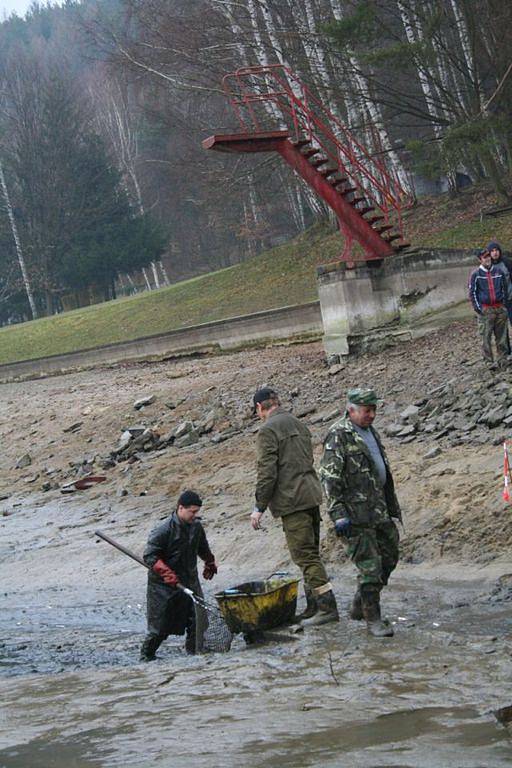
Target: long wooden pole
[{"x": 121, "y": 548}]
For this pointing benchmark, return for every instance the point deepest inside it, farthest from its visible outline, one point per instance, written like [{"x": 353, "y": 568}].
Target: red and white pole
[{"x": 506, "y": 473}]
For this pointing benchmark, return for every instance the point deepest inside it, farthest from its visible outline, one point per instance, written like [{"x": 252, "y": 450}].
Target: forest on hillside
[{"x": 104, "y": 186}]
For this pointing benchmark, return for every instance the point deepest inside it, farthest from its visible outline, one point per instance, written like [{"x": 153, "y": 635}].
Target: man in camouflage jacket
[{"x": 361, "y": 501}]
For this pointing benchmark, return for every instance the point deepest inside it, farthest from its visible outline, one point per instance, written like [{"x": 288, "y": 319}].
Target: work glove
[
  {"x": 210, "y": 568},
  {"x": 343, "y": 526},
  {"x": 166, "y": 574}
]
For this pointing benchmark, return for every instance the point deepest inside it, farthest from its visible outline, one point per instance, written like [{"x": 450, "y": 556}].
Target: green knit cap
[{"x": 361, "y": 396}]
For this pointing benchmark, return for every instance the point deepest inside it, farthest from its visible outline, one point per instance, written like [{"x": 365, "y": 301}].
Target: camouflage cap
[{"x": 360, "y": 396}]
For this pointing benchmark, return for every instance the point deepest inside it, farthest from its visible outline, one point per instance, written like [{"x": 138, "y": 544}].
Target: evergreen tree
[{"x": 74, "y": 217}]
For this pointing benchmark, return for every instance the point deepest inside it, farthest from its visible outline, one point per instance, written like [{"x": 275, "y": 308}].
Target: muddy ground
[{"x": 72, "y": 609}]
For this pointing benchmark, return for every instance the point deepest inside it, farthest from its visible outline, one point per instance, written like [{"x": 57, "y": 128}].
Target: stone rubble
[
  {"x": 464, "y": 410},
  {"x": 75, "y": 427},
  {"x": 143, "y": 402},
  {"x": 471, "y": 408},
  {"x": 213, "y": 423},
  {"x": 24, "y": 461}
]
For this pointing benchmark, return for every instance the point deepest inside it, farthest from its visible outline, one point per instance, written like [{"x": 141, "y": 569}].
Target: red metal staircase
[{"x": 365, "y": 195}]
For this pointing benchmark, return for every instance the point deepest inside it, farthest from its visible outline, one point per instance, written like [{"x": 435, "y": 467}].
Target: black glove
[
  {"x": 343, "y": 526},
  {"x": 210, "y": 568}
]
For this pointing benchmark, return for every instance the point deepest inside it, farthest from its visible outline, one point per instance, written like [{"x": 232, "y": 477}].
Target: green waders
[
  {"x": 302, "y": 532},
  {"x": 374, "y": 551}
]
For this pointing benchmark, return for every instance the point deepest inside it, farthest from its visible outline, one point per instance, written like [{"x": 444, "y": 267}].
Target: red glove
[
  {"x": 166, "y": 574},
  {"x": 210, "y": 568}
]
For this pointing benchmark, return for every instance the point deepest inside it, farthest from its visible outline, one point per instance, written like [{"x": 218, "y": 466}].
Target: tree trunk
[
  {"x": 49, "y": 302},
  {"x": 426, "y": 88},
  {"x": 155, "y": 275},
  {"x": 19, "y": 252},
  {"x": 164, "y": 273},
  {"x": 144, "y": 274},
  {"x": 495, "y": 176}
]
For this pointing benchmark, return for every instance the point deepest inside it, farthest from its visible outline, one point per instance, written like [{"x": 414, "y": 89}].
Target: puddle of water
[
  {"x": 41, "y": 753},
  {"x": 425, "y": 737}
]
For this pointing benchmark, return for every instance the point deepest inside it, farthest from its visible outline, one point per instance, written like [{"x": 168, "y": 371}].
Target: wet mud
[
  {"x": 75, "y": 696},
  {"x": 72, "y": 611}
]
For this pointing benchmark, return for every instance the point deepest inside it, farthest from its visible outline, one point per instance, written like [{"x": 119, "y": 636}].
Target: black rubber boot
[
  {"x": 190, "y": 643},
  {"x": 356, "y": 609},
  {"x": 311, "y": 605},
  {"x": 149, "y": 647},
  {"x": 327, "y": 611},
  {"x": 371, "y": 611}
]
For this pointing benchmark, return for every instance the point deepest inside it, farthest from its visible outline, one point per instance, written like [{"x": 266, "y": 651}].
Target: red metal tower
[{"x": 366, "y": 197}]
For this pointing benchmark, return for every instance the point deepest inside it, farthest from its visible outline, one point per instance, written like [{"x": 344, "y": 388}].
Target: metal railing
[{"x": 261, "y": 95}]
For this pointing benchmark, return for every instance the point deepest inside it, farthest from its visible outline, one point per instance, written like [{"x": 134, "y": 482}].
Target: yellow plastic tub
[{"x": 258, "y": 605}]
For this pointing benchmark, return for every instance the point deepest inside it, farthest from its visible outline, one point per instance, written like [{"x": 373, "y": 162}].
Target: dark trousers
[{"x": 154, "y": 640}]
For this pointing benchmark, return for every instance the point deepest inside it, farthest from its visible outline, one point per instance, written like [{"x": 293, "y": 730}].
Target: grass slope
[{"x": 279, "y": 277}]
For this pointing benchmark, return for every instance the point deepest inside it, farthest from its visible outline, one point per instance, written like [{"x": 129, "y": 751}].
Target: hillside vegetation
[{"x": 279, "y": 277}]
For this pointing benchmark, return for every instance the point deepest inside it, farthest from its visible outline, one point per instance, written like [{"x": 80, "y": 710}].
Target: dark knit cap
[
  {"x": 493, "y": 245},
  {"x": 190, "y": 499},
  {"x": 262, "y": 395}
]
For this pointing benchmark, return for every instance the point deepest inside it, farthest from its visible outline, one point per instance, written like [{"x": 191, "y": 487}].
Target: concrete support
[
  {"x": 353, "y": 301},
  {"x": 394, "y": 294}
]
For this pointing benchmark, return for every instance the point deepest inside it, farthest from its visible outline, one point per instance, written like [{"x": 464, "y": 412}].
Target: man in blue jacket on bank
[{"x": 489, "y": 294}]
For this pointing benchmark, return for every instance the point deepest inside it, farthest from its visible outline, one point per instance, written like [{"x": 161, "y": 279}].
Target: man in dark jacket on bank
[
  {"x": 171, "y": 553},
  {"x": 489, "y": 295},
  {"x": 287, "y": 483},
  {"x": 497, "y": 256},
  {"x": 505, "y": 265}
]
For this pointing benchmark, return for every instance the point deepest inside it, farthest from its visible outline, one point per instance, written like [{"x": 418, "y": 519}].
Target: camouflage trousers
[
  {"x": 302, "y": 531},
  {"x": 374, "y": 551},
  {"x": 494, "y": 322}
]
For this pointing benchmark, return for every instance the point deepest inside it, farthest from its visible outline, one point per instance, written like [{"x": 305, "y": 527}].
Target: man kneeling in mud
[{"x": 171, "y": 554}]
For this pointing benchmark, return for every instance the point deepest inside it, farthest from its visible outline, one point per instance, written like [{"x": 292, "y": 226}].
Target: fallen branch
[{"x": 332, "y": 670}]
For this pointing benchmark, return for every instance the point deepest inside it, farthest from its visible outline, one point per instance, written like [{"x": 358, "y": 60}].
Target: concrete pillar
[{"x": 353, "y": 301}]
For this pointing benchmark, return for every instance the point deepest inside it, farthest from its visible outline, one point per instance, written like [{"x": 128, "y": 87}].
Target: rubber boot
[
  {"x": 371, "y": 612},
  {"x": 149, "y": 647},
  {"x": 327, "y": 611},
  {"x": 190, "y": 643},
  {"x": 356, "y": 609},
  {"x": 311, "y": 605}
]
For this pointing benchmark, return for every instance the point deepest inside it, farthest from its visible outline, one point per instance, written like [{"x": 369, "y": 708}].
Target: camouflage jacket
[{"x": 350, "y": 479}]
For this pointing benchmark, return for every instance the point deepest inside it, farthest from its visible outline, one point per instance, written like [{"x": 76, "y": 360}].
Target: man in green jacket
[
  {"x": 287, "y": 483},
  {"x": 362, "y": 503}
]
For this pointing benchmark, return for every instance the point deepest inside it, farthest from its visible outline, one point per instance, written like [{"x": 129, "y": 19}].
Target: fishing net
[{"x": 212, "y": 633}]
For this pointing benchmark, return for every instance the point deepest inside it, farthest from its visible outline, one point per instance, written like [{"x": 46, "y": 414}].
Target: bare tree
[{"x": 19, "y": 252}]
